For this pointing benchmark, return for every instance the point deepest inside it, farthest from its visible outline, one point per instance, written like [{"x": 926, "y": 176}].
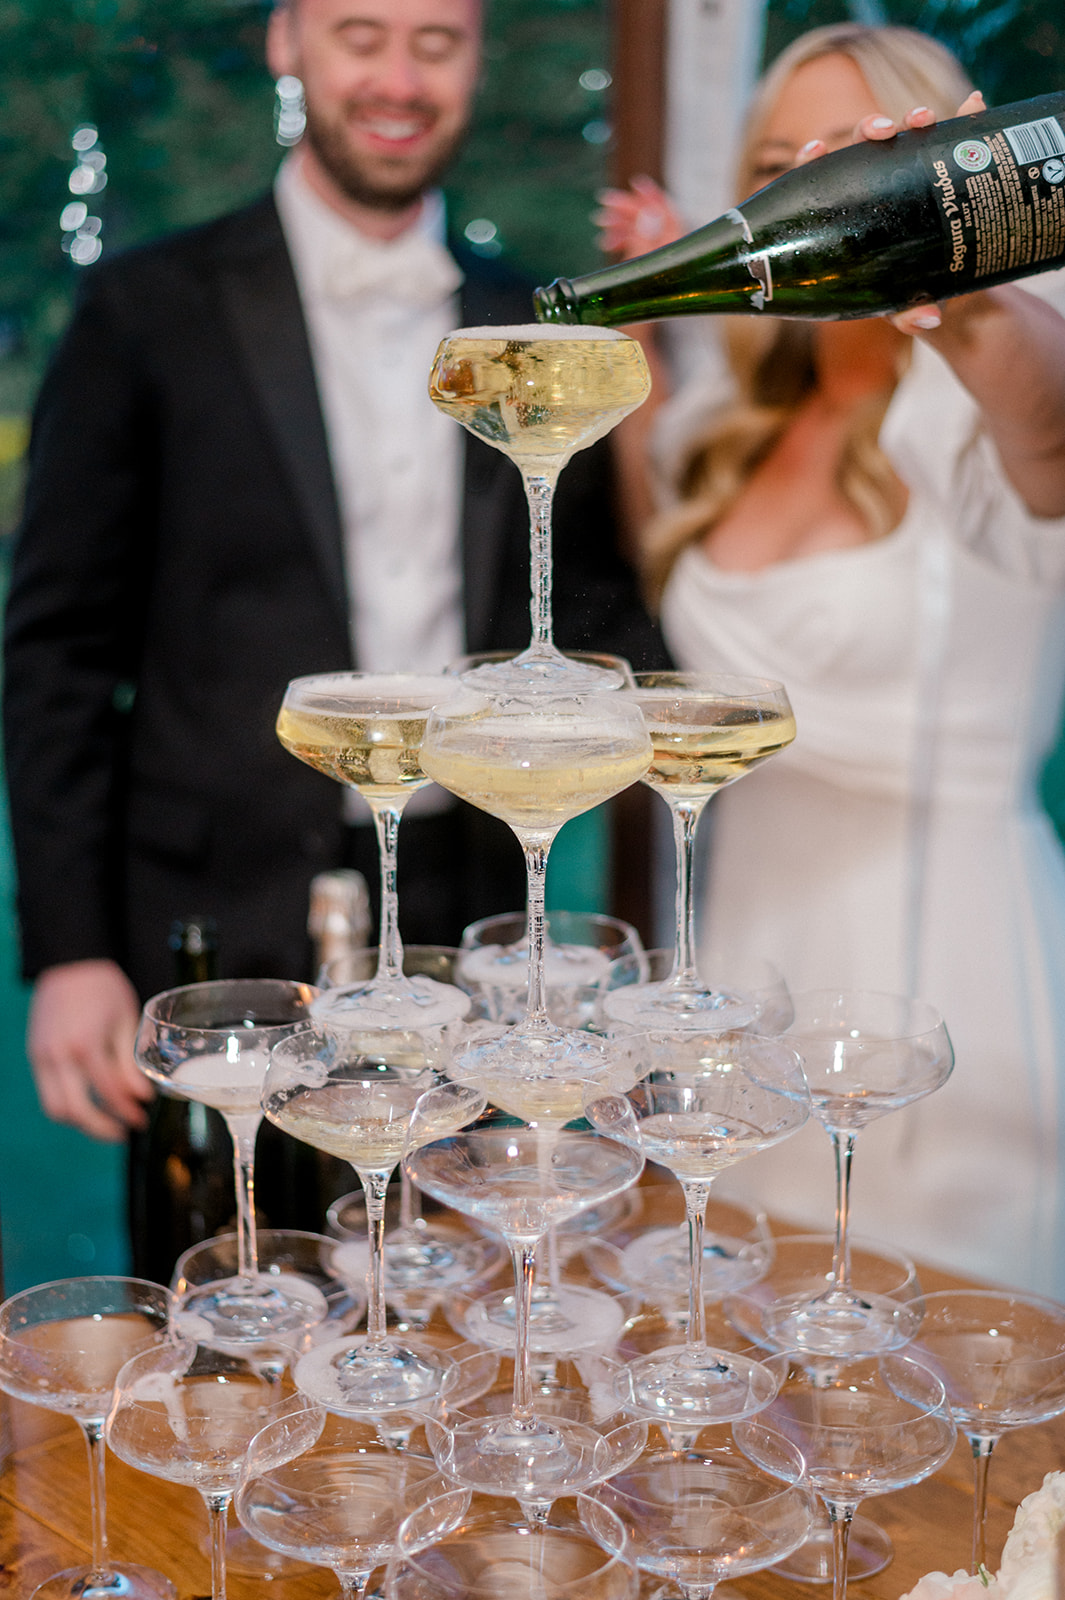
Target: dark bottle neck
[
  {"x": 713, "y": 269},
  {"x": 194, "y": 946}
]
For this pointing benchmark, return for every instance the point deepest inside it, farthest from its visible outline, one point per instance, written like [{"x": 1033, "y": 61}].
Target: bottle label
[{"x": 1001, "y": 199}]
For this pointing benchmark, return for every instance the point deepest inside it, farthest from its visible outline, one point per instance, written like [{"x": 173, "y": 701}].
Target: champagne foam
[{"x": 527, "y": 332}]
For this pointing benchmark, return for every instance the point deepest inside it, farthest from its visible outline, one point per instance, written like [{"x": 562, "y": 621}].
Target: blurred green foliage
[
  {"x": 184, "y": 109},
  {"x": 1011, "y": 48}
]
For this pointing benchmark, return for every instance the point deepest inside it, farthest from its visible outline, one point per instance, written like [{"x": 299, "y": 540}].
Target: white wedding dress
[{"x": 899, "y": 844}]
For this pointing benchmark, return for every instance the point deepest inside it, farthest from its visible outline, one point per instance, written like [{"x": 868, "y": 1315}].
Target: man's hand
[{"x": 83, "y": 1021}]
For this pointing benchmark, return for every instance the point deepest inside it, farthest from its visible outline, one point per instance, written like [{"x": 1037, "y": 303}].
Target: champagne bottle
[
  {"x": 180, "y": 1168},
  {"x": 873, "y": 228},
  {"x": 338, "y": 921}
]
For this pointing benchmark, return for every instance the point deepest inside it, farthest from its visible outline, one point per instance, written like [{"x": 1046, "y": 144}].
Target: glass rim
[{"x": 155, "y": 1008}]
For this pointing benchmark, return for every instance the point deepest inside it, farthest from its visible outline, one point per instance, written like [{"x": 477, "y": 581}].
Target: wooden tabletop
[{"x": 44, "y": 1514}]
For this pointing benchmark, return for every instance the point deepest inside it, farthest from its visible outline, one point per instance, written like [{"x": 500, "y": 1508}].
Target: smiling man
[
  {"x": 388, "y": 86},
  {"x": 236, "y": 478}
]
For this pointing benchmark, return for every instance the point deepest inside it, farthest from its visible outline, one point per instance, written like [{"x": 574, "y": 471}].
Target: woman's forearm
[{"x": 1008, "y": 348}]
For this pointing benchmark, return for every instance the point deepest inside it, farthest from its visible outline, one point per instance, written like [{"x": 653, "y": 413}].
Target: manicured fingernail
[
  {"x": 811, "y": 144},
  {"x": 921, "y": 111},
  {"x": 881, "y": 122},
  {"x": 928, "y": 319}
]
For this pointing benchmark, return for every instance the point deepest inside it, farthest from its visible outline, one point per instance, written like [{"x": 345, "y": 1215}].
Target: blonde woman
[{"x": 879, "y": 521}]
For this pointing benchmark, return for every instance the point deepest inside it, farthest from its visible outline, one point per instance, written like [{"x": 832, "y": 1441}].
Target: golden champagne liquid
[
  {"x": 355, "y": 1132},
  {"x": 541, "y": 394},
  {"x": 699, "y": 749},
  {"x": 362, "y": 1121},
  {"x": 536, "y": 772},
  {"x": 546, "y": 1102},
  {"x": 375, "y": 750}
]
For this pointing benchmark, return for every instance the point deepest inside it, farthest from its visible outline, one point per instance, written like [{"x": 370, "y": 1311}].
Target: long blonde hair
[{"x": 772, "y": 360}]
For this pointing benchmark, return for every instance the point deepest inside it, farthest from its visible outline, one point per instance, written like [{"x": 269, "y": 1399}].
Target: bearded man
[{"x": 236, "y": 478}]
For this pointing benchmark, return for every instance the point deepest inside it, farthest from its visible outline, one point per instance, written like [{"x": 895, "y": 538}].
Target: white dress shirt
[{"x": 375, "y": 313}]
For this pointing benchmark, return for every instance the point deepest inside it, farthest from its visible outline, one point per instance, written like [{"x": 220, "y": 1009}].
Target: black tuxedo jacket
[{"x": 178, "y": 562}]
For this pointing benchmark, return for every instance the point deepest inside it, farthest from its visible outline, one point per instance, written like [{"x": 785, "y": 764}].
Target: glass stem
[
  {"x": 696, "y": 1200},
  {"x": 843, "y": 1150},
  {"x": 685, "y": 821},
  {"x": 540, "y": 492},
  {"x": 981, "y": 1447},
  {"x": 390, "y": 946},
  {"x": 536, "y": 852},
  {"x": 524, "y": 1259},
  {"x": 218, "y": 1510},
  {"x": 353, "y": 1584},
  {"x": 840, "y": 1515},
  {"x": 244, "y": 1184},
  {"x": 375, "y": 1185},
  {"x": 94, "y": 1440},
  {"x": 410, "y": 1203}
]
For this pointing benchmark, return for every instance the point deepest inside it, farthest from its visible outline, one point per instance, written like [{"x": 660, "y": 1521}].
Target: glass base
[
  {"x": 119, "y": 1582},
  {"x": 869, "y": 1550},
  {"x": 541, "y": 1074},
  {"x": 841, "y": 1324},
  {"x": 548, "y": 1458},
  {"x": 574, "y": 1318},
  {"x": 658, "y": 1264},
  {"x": 266, "y": 1308},
  {"x": 355, "y": 1378},
  {"x": 695, "y": 1385},
  {"x": 665, "y": 1005},
  {"x": 414, "y": 1003},
  {"x": 541, "y": 669},
  {"x": 423, "y": 1259}
]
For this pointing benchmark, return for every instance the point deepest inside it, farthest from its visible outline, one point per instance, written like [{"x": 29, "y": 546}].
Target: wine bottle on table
[
  {"x": 874, "y": 228},
  {"x": 181, "y": 1165}
]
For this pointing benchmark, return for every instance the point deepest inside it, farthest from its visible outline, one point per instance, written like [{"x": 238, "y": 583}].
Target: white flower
[
  {"x": 1032, "y": 1550},
  {"x": 962, "y": 1586},
  {"x": 1033, "y": 1554}
]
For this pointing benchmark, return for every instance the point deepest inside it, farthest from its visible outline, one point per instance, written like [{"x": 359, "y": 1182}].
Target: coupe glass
[
  {"x": 365, "y": 729},
  {"x": 581, "y": 1389},
  {"x": 520, "y": 1180},
  {"x": 1001, "y": 1356},
  {"x": 61, "y": 1347},
  {"x": 863, "y": 1427},
  {"x": 706, "y": 1513},
  {"x": 707, "y": 730},
  {"x": 187, "y": 1413},
  {"x": 211, "y": 1042},
  {"x": 423, "y": 1260},
  {"x": 562, "y": 1317},
  {"x": 864, "y": 1054},
  {"x": 338, "y": 1502},
  {"x": 471, "y": 1547},
  {"x": 582, "y": 954},
  {"x": 757, "y": 983},
  {"x": 353, "y": 1095},
  {"x": 284, "y": 1254},
  {"x": 539, "y": 395},
  {"x": 800, "y": 1270},
  {"x": 535, "y": 764},
  {"x": 706, "y": 1101}
]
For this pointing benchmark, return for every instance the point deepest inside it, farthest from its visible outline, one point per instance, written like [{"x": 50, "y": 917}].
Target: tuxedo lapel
[{"x": 263, "y": 308}]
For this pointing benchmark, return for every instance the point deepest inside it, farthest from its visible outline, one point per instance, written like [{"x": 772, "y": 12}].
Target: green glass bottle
[{"x": 874, "y": 228}]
